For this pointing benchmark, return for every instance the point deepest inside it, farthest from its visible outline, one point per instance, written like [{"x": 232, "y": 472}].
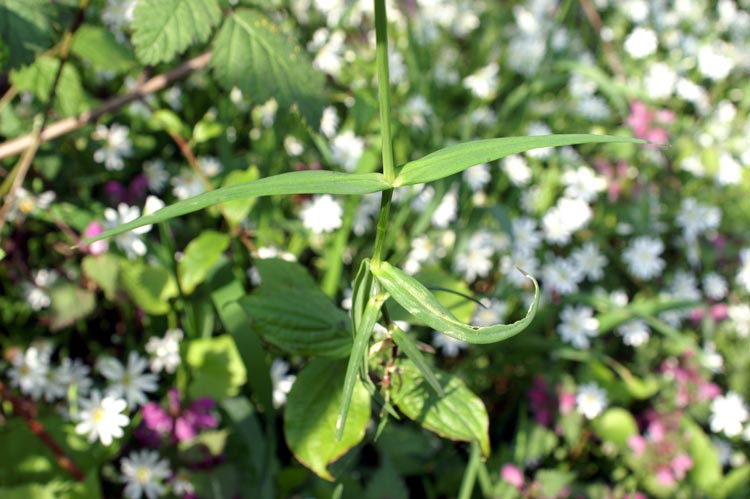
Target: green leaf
[
  {"x": 301, "y": 321},
  {"x": 553, "y": 481},
  {"x": 164, "y": 28},
  {"x": 216, "y": 367},
  {"x": 98, "y": 46},
  {"x": 418, "y": 301},
  {"x": 459, "y": 415},
  {"x": 24, "y": 29},
  {"x": 103, "y": 270},
  {"x": 457, "y": 158},
  {"x": 311, "y": 414},
  {"x": 170, "y": 122},
  {"x": 281, "y": 274},
  {"x": 412, "y": 351},
  {"x": 150, "y": 286},
  {"x": 734, "y": 485},
  {"x": 200, "y": 255},
  {"x": 451, "y": 292},
  {"x": 300, "y": 182},
  {"x": 616, "y": 425},
  {"x": 237, "y": 211},
  {"x": 706, "y": 471},
  {"x": 70, "y": 304},
  {"x": 251, "y": 53},
  {"x": 70, "y": 98}
]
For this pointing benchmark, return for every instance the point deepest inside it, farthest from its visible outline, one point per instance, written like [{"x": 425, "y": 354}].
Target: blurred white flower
[
  {"x": 209, "y": 165},
  {"x": 566, "y": 217},
  {"x": 634, "y": 333},
  {"x": 743, "y": 273},
  {"x": 329, "y": 48},
  {"x": 473, "y": 262},
  {"x": 165, "y": 352},
  {"x": 714, "y": 61},
  {"x": 116, "y": 147},
  {"x": 281, "y": 381},
  {"x": 29, "y": 372},
  {"x": 641, "y": 42},
  {"x": 561, "y": 275},
  {"x": 329, "y": 121},
  {"x": 186, "y": 185},
  {"x": 143, "y": 473},
  {"x": 36, "y": 292},
  {"x": 130, "y": 382},
  {"x": 525, "y": 260},
  {"x": 322, "y": 214},
  {"x": 660, "y": 81},
  {"x": 642, "y": 257},
  {"x": 74, "y": 373},
  {"x": 697, "y": 218},
  {"x": 293, "y": 146},
  {"x": 578, "y": 326},
  {"x": 346, "y": 149},
  {"x": 492, "y": 311},
  {"x": 130, "y": 242},
  {"x": 102, "y": 419},
  {"x": 117, "y": 15},
  {"x": 715, "y": 286},
  {"x": 366, "y": 211},
  {"x": 416, "y": 111},
  {"x": 517, "y": 169},
  {"x": 590, "y": 260},
  {"x": 446, "y": 211},
  {"x": 156, "y": 174},
  {"x": 730, "y": 170},
  {"x": 591, "y": 400},
  {"x": 483, "y": 82},
  {"x": 728, "y": 413},
  {"x": 449, "y": 346},
  {"x": 583, "y": 183},
  {"x": 526, "y": 237}
]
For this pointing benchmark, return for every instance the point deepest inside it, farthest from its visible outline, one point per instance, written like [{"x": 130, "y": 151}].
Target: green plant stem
[
  {"x": 385, "y": 210},
  {"x": 470, "y": 475}
]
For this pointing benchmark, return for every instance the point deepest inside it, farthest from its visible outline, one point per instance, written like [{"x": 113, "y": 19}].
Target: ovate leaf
[
  {"x": 706, "y": 471},
  {"x": 70, "y": 98},
  {"x": 418, "y": 301},
  {"x": 69, "y": 304},
  {"x": 24, "y": 29},
  {"x": 150, "y": 286},
  {"x": 251, "y": 53},
  {"x": 103, "y": 270},
  {"x": 164, "y": 28},
  {"x": 200, "y": 255},
  {"x": 616, "y": 425},
  {"x": 300, "y": 182},
  {"x": 98, "y": 46},
  {"x": 458, "y": 415},
  {"x": 216, "y": 367},
  {"x": 459, "y": 157},
  {"x": 311, "y": 413}
]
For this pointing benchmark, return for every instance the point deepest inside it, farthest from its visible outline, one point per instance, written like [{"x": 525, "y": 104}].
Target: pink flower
[
  {"x": 719, "y": 311},
  {"x": 664, "y": 477},
  {"x": 567, "y": 401},
  {"x": 656, "y": 431},
  {"x": 513, "y": 475},
  {"x": 637, "y": 444},
  {"x": 641, "y": 121},
  {"x": 99, "y": 247},
  {"x": 680, "y": 465}
]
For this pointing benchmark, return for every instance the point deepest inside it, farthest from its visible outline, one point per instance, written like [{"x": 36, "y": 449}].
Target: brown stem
[{"x": 26, "y": 410}]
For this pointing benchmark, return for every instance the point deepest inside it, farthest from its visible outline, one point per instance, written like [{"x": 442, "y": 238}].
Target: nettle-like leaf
[
  {"x": 39, "y": 77},
  {"x": 422, "y": 304},
  {"x": 459, "y": 157},
  {"x": 300, "y": 182},
  {"x": 252, "y": 54},
  {"x": 99, "y": 47},
  {"x": 24, "y": 30},
  {"x": 164, "y": 28},
  {"x": 458, "y": 415},
  {"x": 312, "y": 411}
]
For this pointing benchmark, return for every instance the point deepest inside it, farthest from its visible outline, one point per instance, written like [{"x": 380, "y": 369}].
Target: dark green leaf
[
  {"x": 24, "y": 29},
  {"x": 98, "y": 46},
  {"x": 70, "y": 98},
  {"x": 216, "y": 367}
]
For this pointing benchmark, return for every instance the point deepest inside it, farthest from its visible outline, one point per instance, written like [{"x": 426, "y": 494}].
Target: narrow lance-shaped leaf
[
  {"x": 459, "y": 157},
  {"x": 301, "y": 182},
  {"x": 418, "y": 301},
  {"x": 412, "y": 352}
]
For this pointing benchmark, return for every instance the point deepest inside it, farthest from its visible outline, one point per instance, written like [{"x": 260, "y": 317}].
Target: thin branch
[
  {"x": 67, "y": 125},
  {"x": 26, "y": 410}
]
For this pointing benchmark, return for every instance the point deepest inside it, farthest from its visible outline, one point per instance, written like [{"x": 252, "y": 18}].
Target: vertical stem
[
  {"x": 470, "y": 475},
  {"x": 384, "y": 101}
]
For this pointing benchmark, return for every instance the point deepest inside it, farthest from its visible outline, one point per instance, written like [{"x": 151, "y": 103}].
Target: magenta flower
[
  {"x": 99, "y": 247},
  {"x": 664, "y": 476},
  {"x": 176, "y": 423},
  {"x": 567, "y": 401},
  {"x": 641, "y": 120},
  {"x": 681, "y": 464},
  {"x": 637, "y": 444},
  {"x": 513, "y": 475}
]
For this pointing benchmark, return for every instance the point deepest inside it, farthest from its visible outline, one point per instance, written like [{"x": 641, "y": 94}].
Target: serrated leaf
[
  {"x": 70, "y": 304},
  {"x": 616, "y": 425},
  {"x": 150, "y": 286},
  {"x": 457, "y": 158},
  {"x": 104, "y": 271},
  {"x": 24, "y": 29},
  {"x": 459, "y": 415},
  {"x": 98, "y": 46},
  {"x": 70, "y": 98},
  {"x": 199, "y": 256},
  {"x": 164, "y": 28},
  {"x": 251, "y": 53},
  {"x": 311, "y": 414},
  {"x": 278, "y": 273},
  {"x": 216, "y": 367},
  {"x": 418, "y": 301},
  {"x": 299, "y": 182}
]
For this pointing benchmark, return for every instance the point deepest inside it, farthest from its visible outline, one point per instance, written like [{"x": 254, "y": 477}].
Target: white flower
[
  {"x": 729, "y": 172},
  {"x": 483, "y": 82},
  {"x": 329, "y": 121},
  {"x": 130, "y": 242},
  {"x": 36, "y": 292},
  {"x": 525, "y": 260},
  {"x": 365, "y": 214},
  {"x": 165, "y": 352},
  {"x": 130, "y": 382},
  {"x": 591, "y": 400},
  {"x": 565, "y": 218},
  {"x": 473, "y": 262},
  {"x": 186, "y": 185},
  {"x": 525, "y": 236},
  {"x": 446, "y": 211},
  {"x": 583, "y": 183},
  {"x": 642, "y": 42},
  {"x": 330, "y": 51},
  {"x": 346, "y": 149},
  {"x": 181, "y": 484},
  {"x": 416, "y": 111},
  {"x": 728, "y": 413},
  {"x": 642, "y": 257},
  {"x": 743, "y": 274},
  {"x": 209, "y": 165},
  {"x": 449, "y": 346},
  {"x": 562, "y": 276},
  {"x": 711, "y": 359},
  {"x": 740, "y": 316},
  {"x": 517, "y": 169},
  {"x": 696, "y": 218},
  {"x": 590, "y": 261},
  {"x": 117, "y": 14},
  {"x": 397, "y": 69},
  {"x": 281, "y": 381},
  {"x": 594, "y": 108},
  {"x": 578, "y": 326},
  {"x": 715, "y": 286},
  {"x": 117, "y": 146},
  {"x": 322, "y": 214},
  {"x": 491, "y": 312},
  {"x": 634, "y": 333},
  {"x": 143, "y": 472},
  {"x": 102, "y": 418},
  {"x": 477, "y": 176},
  {"x": 29, "y": 372},
  {"x": 293, "y": 146},
  {"x": 74, "y": 373},
  {"x": 156, "y": 174},
  {"x": 660, "y": 81},
  {"x": 713, "y": 61}
]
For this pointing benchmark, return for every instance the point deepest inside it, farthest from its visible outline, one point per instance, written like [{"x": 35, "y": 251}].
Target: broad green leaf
[
  {"x": 311, "y": 413},
  {"x": 278, "y": 273},
  {"x": 216, "y": 367},
  {"x": 408, "y": 447},
  {"x": 70, "y": 304},
  {"x": 616, "y": 425},
  {"x": 706, "y": 471},
  {"x": 150, "y": 286},
  {"x": 301, "y": 321},
  {"x": 459, "y": 415},
  {"x": 164, "y": 28},
  {"x": 533, "y": 441},
  {"x": 457, "y": 158},
  {"x": 418, "y": 301},
  {"x": 237, "y": 211},
  {"x": 24, "y": 29},
  {"x": 98, "y": 46},
  {"x": 251, "y": 53},
  {"x": 70, "y": 98},
  {"x": 300, "y": 182},
  {"x": 206, "y": 129},
  {"x": 734, "y": 485},
  {"x": 386, "y": 483},
  {"x": 200, "y": 255},
  {"x": 104, "y": 271},
  {"x": 170, "y": 122},
  {"x": 412, "y": 352},
  {"x": 553, "y": 481}
]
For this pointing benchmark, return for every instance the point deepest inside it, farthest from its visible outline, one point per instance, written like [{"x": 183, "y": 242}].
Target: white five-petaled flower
[
  {"x": 116, "y": 147},
  {"x": 130, "y": 242},
  {"x": 561, "y": 275},
  {"x": 642, "y": 257},
  {"x": 29, "y": 372},
  {"x": 450, "y": 346},
  {"x": 578, "y": 326},
  {"x": 583, "y": 183},
  {"x": 346, "y": 149},
  {"x": 591, "y": 400},
  {"x": 590, "y": 261},
  {"x": 165, "y": 352},
  {"x": 102, "y": 419},
  {"x": 282, "y": 381},
  {"x": 143, "y": 473},
  {"x": 322, "y": 214},
  {"x": 728, "y": 414},
  {"x": 634, "y": 333},
  {"x": 130, "y": 382}
]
